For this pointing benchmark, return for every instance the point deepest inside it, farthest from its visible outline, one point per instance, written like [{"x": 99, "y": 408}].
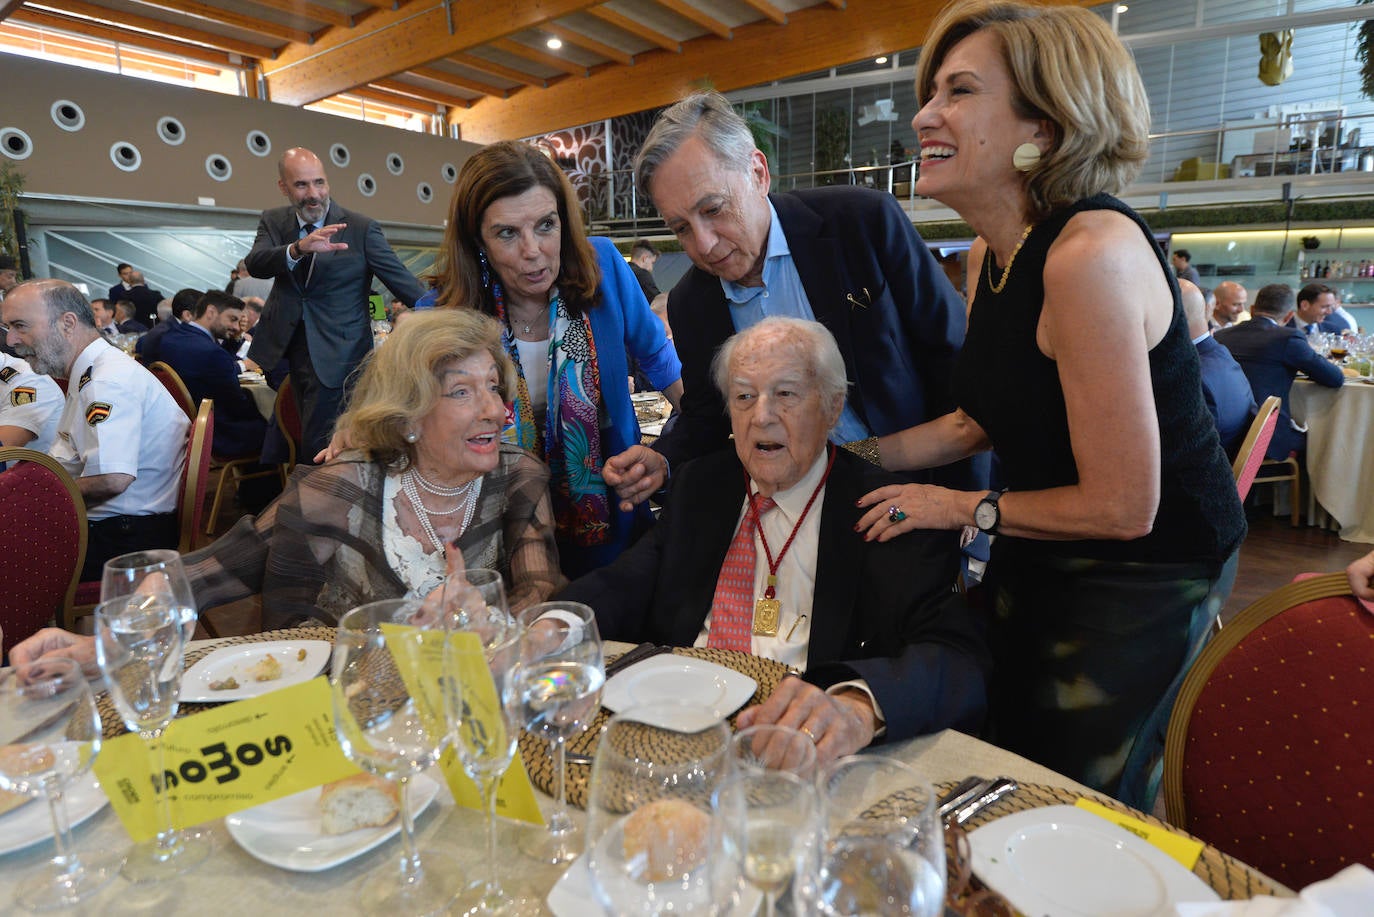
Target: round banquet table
[{"x": 1340, "y": 451}]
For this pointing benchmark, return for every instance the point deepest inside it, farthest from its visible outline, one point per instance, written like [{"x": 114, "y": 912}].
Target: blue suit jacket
[
  {"x": 871, "y": 280},
  {"x": 884, "y": 612},
  {"x": 210, "y": 372},
  {"x": 1227, "y": 393},
  {"x": 333, "y": 299},
  {"x": 1271, "y": 355}
]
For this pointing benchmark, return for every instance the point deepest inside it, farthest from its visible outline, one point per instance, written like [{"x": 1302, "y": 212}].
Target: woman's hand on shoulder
[
  {"x": 339, "y": 442},
  {"x": 900, "y": 508}
]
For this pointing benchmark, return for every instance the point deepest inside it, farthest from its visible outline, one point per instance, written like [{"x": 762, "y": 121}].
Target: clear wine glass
[
  {"x": 772, "y": 746},
  {"x": 49, "y": 737},
  {"x": 562, "y": 671},
  {"x": 769, "y": 820},
  {"x": 394, "y": 722},
  {"x": 156, "y": 572},
  {"x": 653, "y": 843},
  {"x": 140, "y": 644},
  {"x": 882, "y": 848},
  {"x": 483, "y": 636}
]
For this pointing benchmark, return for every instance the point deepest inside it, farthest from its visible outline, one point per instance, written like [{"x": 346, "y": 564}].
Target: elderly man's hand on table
[
  {"x": 51, "y": 641},
  {"x": 840, "y": 724},
  {"x": 636, "y": 474}
]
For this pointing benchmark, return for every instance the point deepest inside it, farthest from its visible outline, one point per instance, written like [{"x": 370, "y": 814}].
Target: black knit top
[{"x": 1012, "y": 391}]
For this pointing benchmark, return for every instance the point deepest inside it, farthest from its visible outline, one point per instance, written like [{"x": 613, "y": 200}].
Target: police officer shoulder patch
[
  {"x": 23, "y": 394},
  {"x": 85, "y": 377},
  {"x": 97, "y": 412},
  {"x": 7, "y": 373}
]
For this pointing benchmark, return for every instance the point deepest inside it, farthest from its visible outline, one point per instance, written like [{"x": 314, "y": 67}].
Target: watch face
[{"x": 985, "y": 515}]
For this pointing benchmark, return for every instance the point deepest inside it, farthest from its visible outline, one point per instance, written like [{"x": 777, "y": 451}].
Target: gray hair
[
  {"x": 822, "y": 354},
  {"x": 60, "y": 297},
  {"x": 707, "y": 115}
]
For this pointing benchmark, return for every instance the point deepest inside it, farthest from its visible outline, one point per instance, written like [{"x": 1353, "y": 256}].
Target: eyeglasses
[{"x": 961, "y": 896}]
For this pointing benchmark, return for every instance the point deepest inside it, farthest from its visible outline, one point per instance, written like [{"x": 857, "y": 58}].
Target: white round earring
[
  {"x": 412, "y": 437},
  {"x": 1025, "y": 157}
]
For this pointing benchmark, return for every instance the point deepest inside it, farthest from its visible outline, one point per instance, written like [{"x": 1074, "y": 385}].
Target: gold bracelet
[{"x": 866, "y": 449}]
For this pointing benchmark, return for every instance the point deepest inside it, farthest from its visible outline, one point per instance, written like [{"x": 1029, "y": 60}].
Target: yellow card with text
[
  {"x": 227, "y": 759},
  {"x": 1184, "y": 849},
  {"x": 481, "y": 724}
]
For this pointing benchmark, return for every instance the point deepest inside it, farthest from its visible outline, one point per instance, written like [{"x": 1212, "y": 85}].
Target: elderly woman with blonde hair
[
  {"x": 426, "y": 485},
  {"x": 1119, "y": 533}
]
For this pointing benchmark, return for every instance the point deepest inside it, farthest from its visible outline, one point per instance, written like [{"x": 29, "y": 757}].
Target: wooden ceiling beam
[
  {"x": 481, "y": 64},
  {"x": 423, "y": 93},
  {"x": 572, "y": 68},
  {"x": 635, "y": 27},
  {"x": 692, "y": 14},
  {"x": 837, "y": 4},
  {"x": 133, "y": 23},
  {"x": 397, "y": 40},
  {"x": 123, "y": 37},
  {"x": 386, "y": 5},
  {"x": 326, "y": 13},
  {"x": 579, "y": 40},
  {"x": 214, "y": 14},
  {"x": 399, "y": 103},
  {"x": 768, "y": 10},
  {"x": 7, "y": 8},
  {"x": 458, "y": 82}
]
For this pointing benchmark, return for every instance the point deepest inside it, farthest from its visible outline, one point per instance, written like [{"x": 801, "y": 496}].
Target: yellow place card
[
  {"x": 227, "y": 759},
  {"x": 1184, "y": 849}
]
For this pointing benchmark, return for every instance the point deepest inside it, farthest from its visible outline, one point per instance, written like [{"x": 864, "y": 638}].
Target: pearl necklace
[
  {"x": 430, "y": 487},
  {"x": 1006, "y": 271},
  {"x": 422, "y": 512}
]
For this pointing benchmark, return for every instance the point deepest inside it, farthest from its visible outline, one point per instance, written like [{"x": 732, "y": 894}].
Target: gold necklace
[{"x": 1006, "y": 271}]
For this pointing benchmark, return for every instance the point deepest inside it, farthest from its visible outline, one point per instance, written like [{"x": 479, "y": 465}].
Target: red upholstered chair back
[
  {"x": 1270, "y": 749},
  {"x": 178, "y": 390},
  {"x": 289, "y": 419},
  {"x": 195, "y": 476},
  {"x": 1252, "y": 449},
  {"x": 42, "y": 539}
]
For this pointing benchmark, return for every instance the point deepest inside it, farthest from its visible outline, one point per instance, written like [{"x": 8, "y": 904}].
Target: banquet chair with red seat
[
  {"x": 175, "y": 387},
  {"x": 289, "y": 423},
  {"x": 1269, "y": 754},
  {"x": 1251, "y": 453},
  {"x": 43, "y": 541}
]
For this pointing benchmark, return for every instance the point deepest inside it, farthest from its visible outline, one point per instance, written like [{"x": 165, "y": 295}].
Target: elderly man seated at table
[
  {"x": 1224, "y": 386},
  {"x": 758, "y": 553}
]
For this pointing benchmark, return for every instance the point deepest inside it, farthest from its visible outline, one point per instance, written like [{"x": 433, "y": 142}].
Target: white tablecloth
[{"x": 1340, "y": 451}]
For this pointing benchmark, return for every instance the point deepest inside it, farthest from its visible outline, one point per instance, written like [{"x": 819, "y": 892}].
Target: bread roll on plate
[
  {"x": 360, "y": 801},
  {"x": 666, "y": 838}
]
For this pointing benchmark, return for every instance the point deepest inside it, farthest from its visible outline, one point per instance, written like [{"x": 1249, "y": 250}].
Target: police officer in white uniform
[
  {"x": 30, "y": 405},
  {"x": 121, "y": 435}
]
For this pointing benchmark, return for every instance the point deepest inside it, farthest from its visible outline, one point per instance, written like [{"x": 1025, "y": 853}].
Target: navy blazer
[
  {"x": 1271, "y": 355},
  {"x": 210, "y": 372},
  {"x": 333, "y": 298},
  {"x": 871, "y": 280},
  {"x": 1227, "y": 393},
  {"x": 883, "y": 612}
]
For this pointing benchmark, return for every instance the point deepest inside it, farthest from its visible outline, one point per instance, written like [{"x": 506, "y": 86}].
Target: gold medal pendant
[{"x": 766, "y": 617}]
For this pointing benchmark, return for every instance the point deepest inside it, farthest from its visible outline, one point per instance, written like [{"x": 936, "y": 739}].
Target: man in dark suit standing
[
  {"x": 887, "y": 647},
  {"x": 183, "y": 304},
  {"x": 121, "y": 290},
  {"x": 323, "y": 259},
  {"x": 145, "y": 300},
  {"x": 1271, "y": 355},
  {"x": 846, "y": 257}
]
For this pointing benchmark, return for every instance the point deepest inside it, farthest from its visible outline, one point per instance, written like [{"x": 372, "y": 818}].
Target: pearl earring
[
  {"x": 1025, "y": 157},
  {"x": 413, "y": 437}
]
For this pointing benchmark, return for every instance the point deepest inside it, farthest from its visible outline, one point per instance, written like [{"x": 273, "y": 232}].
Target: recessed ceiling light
[
  {"x": 880, "y": 60},
  {"x": 554, "y": 43},
  {"x": 1122, "y": 8}
]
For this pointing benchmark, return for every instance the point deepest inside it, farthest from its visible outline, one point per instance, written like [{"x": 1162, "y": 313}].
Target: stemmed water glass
[
  {"x": 140, "y": 643},
  {"x": 769, "y": 820},
  {"x": 562, "y": 671},
  {"x": 158, "y": 572},
  {"x": 773, "y": 746},
  {"x": 50, "y": 732},
  {"x": 392, "y": 716}
]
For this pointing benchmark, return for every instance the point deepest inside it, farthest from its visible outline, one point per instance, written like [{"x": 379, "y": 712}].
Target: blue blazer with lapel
[
  {"x": 210, "y": 372},
  {"x": 1227, "y": 393}
]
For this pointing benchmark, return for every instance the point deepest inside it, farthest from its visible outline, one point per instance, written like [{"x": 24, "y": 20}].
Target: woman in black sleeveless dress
[{"x": 1117, "y": 538}]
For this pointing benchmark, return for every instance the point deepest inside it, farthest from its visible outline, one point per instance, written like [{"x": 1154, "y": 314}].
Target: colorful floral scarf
[{"x": 571, "y": 439}]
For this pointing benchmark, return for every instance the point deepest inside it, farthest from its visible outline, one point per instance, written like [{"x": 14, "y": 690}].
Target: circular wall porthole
[
  {"x": 367, "y": 185},
  {"x": 449, "y": 171},
  {"x": 338, "y": 154},
  {"x": 217, "y": 166},
  {"x": 67, "y": 115},
  {"x": 424, "y": 192},
  {"x": 125, "y": 156},
  {"x": 14, "y": 143},
  {"x": 395, "y": 164},
  {"x": 259, "y": 144},
  {"x": 171, "y": 130}
]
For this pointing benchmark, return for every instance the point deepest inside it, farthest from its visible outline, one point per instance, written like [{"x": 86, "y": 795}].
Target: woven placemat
[
  {"x": 109, "y": 716},
  {"x": 537, "y": 752}
]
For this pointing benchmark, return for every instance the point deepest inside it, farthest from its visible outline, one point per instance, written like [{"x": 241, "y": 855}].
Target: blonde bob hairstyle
[
  {"x": 400, "y": 384},
  {"x": 1069, "y": 69}
]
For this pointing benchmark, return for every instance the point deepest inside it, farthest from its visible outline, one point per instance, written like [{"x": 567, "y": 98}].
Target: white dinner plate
[
  {"x": 237, "y": 661},
  {"x": 252, "y": 377},
  {"x": 669, "y": 680},
  {"x": 573, "y": 896},
  {"x": 1062, "y": 861},
  {"x": 31, "y": 822},
  {"x": 286, "y": 832}
]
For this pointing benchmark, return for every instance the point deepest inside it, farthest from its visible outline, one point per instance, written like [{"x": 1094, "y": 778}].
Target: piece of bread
[
  {"x": 11, "y": 801},
  {"x": 666, "y": 838},
  {"x": 22, "y": 761},
  {"x": 266, "y": 669},
  {"x": 360, "y": 801}
]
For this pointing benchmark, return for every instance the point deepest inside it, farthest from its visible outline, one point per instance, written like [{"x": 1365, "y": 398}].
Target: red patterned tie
[{"x": 732, "y": 609}]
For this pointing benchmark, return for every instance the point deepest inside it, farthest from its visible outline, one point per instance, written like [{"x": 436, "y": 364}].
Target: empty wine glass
[
  {"x": 140, "y": 644},
  {"x": 653, "y": 845},
  {"x": 769, "y": 821},
  {"x": 558, "y": 686},
  {"x": 772, "y": 746},
  {"x": 883, "y": 847},
  {"x": 392, "y": 720},
  {"x": 158, "y": 572},
  {"x": 50, "y": 732}
]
